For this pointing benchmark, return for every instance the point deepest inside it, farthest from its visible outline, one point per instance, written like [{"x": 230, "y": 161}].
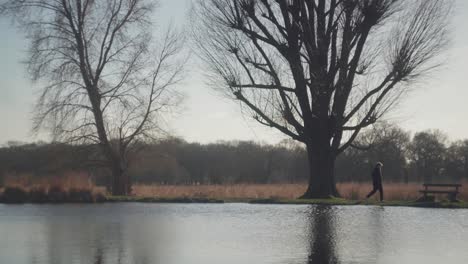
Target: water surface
[{"x": 230, "y": 233}]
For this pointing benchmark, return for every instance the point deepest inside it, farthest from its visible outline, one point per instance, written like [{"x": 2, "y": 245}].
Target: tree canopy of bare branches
[
  {"x": 105, "y": 79},
  {"x": 320, "y": 71}
]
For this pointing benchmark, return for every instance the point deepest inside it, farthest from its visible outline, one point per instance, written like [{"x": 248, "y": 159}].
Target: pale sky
[{"x": 439, "y": 102}]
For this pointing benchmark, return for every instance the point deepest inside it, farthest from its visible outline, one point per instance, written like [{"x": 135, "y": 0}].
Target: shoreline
[{"x": 268, "y": 201}]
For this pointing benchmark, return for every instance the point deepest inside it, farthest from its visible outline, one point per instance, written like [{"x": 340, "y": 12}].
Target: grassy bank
[
  {"x": 73, "y": 191},
  {"x": 341, "y": 201},
  {"x": 330, "y": 201},
  {"x": 137, "y": 199},
  {"x": 396, "y": 194},
  {"x": 348, "y": 190}
]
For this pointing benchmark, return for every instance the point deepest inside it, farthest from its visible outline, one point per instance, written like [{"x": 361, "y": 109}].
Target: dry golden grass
[
  {"x": 350, "y": 190},
  {"x": 255, "y": 191},
  {"x": 66, "y": 182},
  {"x": 392, "y": 191}
]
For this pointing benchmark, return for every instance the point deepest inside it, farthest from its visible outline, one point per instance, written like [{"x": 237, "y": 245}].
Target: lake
[{"x": 230, "y": 233}]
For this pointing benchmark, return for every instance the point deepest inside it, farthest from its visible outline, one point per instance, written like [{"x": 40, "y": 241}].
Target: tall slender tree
[
  {"x": 319, "y": 71},
  {"x": 103, "y": 82}
]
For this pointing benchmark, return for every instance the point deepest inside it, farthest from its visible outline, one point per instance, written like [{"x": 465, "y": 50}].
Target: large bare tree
[
  {"x": 319, "y": 71},
  {"x": 103, "y": 81}
]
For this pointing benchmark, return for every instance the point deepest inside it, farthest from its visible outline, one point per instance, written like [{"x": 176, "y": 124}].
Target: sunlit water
[{"x": 230, "y": 233}]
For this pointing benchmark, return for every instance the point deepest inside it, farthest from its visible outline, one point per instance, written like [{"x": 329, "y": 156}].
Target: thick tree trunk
[
  {"x": 322, "y": 172},
  {"x": 121, "y": 185}
]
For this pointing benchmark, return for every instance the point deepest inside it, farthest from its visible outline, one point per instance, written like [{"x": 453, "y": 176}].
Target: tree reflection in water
[
  {"x": 322, "y": 235},
  {"x": 99, "y": 258},
  {"x": 333, "y": 238}
]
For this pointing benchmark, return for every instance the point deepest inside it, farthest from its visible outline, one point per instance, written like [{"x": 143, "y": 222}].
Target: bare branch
[{"x": 105, "y": 82}]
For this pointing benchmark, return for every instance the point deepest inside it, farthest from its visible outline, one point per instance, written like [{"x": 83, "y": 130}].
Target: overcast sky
[{"x": 439, "y": 102}]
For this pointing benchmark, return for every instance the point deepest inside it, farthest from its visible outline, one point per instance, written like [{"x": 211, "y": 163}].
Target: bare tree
[
  {"x": 104, "y": 81},
  {"x": 319, "y": 71}
]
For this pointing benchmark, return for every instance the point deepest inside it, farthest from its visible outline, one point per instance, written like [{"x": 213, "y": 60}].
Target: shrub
[
  {"x": 57, "y": 194},
  {"x": 14, "y": 195},
  {"x": 80, "y": 196},
  {"x": 38, "y": 195},
  {"x": 354, "y": 195},
  {"x": 99, "y": 197}
]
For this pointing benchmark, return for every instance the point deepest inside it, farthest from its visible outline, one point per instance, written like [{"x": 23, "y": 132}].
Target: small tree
[
  {"x": 103, "y": 83},
  {"x": 387, "y": 143},
  {"x": 456, "y": 160},
  {"x": 319, "y": 71},
  {"x": 428, "y": 152}
]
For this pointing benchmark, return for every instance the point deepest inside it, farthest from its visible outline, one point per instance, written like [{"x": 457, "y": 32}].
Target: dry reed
[
  {"x": 349, "y": 190},
  {"x": 65, "y": 182},
  {"x": 73, "y": 181},
  {"x": 252, "y": 191}
]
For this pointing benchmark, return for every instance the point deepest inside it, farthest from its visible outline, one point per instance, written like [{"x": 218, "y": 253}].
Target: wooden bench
[{"x": 450, "y": 189}]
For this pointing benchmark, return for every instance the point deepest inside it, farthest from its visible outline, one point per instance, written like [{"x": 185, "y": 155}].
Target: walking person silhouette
[{"x": 377, "y": 181}]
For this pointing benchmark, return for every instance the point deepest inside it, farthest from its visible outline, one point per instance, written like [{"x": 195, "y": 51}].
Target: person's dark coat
[
  {"x": 377, "y": 182},
  {"x": 377, "y": 176}
]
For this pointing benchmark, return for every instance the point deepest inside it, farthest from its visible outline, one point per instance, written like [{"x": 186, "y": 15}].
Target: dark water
[{"x": 230, "y": 233}]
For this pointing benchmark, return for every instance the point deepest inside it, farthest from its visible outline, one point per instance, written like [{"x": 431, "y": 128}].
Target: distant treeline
[{"x": 427, "y": 156}]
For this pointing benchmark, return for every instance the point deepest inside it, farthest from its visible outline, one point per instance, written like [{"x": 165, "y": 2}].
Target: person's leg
[
  {"x": 381, "y": 191},
  {"x": 372, "y": 192},
  {"x": 375, "y": 188}
]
